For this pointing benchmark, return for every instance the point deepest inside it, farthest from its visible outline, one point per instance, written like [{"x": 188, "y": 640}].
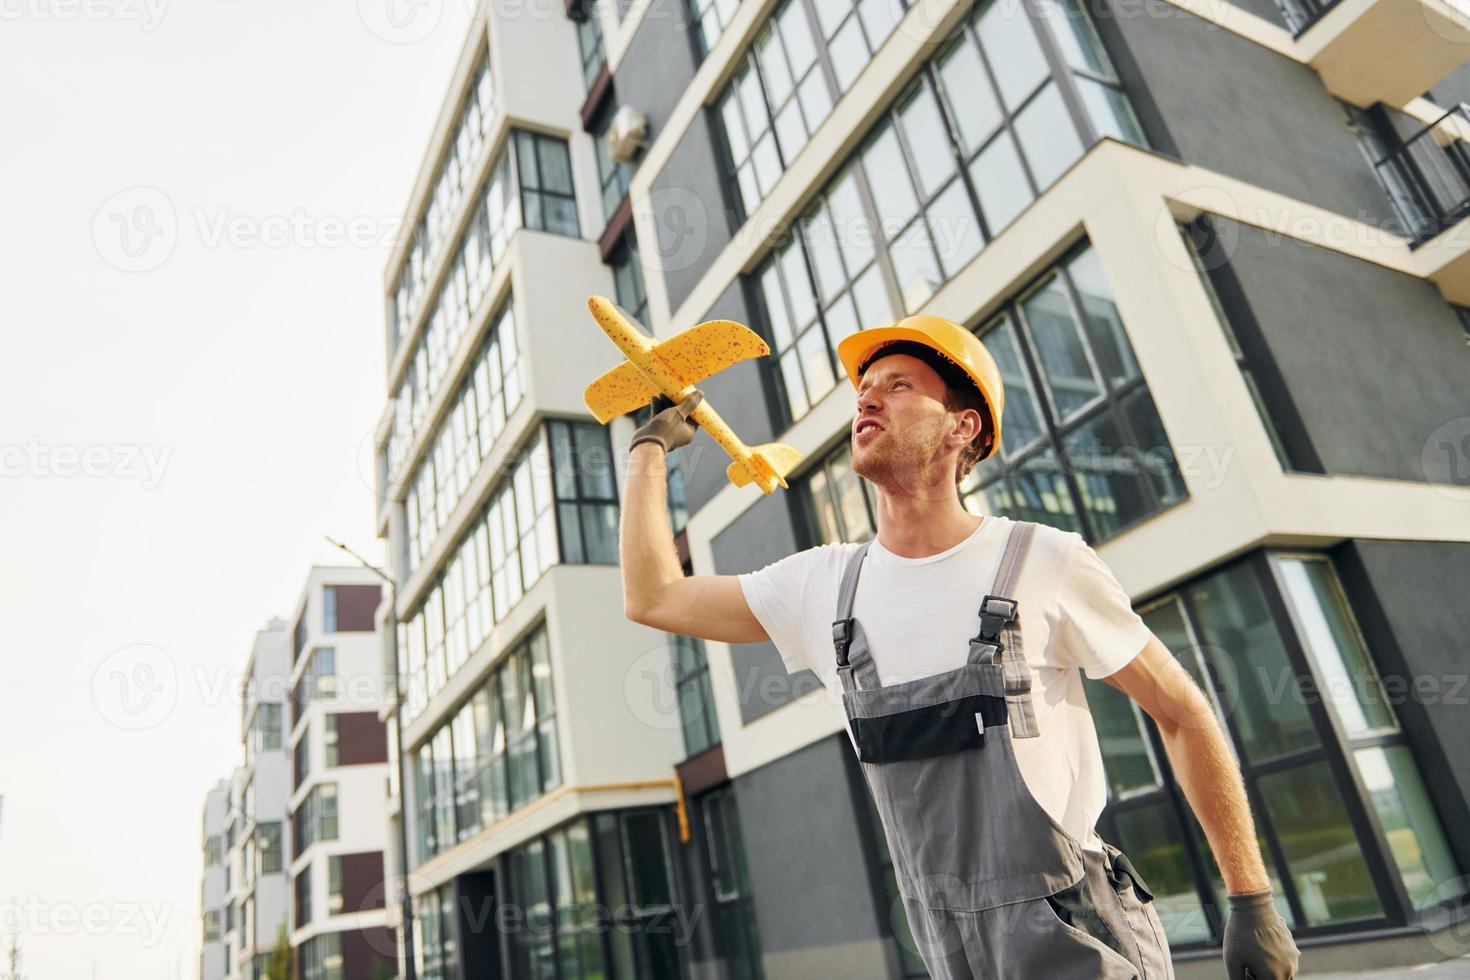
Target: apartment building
[
  {"x": 338, "y": 779},
  {"x": 1220, "y": 255},
  {"x": 212, "y": 887},
  {"x": 244, "y": 896}
]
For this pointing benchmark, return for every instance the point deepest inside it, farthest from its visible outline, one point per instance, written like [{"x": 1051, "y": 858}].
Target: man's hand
[
  {"x": 1258, "y": 945},
  {"x": 671, "y": 426}
]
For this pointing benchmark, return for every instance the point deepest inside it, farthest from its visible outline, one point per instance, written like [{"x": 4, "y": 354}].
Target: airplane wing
[{"x": 690, "y": 356}]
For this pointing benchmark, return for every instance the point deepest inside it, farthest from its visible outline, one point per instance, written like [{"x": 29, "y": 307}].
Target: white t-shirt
[{"x": 919, "y": 614}]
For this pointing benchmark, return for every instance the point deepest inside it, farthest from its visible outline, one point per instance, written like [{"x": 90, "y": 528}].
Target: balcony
[
  {"x": 1389, "y": 51},
  {"x": 1428, "y": 176}
]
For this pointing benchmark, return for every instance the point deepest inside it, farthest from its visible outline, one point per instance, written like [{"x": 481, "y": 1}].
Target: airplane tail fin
[{"x": 768, "y": 465}]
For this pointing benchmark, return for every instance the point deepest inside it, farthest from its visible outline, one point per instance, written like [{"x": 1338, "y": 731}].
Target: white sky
[{"x": 252, "y": 372}]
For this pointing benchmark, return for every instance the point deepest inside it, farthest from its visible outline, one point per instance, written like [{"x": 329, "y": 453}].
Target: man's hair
[{"x": 961, "y": 394}]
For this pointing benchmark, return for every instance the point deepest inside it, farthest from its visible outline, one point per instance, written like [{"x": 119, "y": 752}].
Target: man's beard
[{"x": 903, "y": 460}]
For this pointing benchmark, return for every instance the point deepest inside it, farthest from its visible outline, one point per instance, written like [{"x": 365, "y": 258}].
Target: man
[{"x": 979, "y": 750}]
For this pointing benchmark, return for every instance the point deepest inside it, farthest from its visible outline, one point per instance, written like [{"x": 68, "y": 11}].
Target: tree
[{"x": 280, "y": 965}]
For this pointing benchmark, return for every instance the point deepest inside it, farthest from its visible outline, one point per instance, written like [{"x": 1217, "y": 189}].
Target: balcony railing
[
  {"x": 1427, "y": 176},
  {"x": 1302, "y": 14}
]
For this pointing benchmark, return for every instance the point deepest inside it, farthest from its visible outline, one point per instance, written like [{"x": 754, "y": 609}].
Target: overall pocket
[{"x": 1143, "y": 917}]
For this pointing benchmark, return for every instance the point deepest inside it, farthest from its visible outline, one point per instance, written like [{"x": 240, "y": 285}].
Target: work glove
[
  {"x": 1258, "y": 945},
  {"x": 671, "y": 425}
]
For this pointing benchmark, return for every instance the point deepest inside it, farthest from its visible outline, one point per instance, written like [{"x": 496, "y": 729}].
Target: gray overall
[{"x": 993, "y": 887}]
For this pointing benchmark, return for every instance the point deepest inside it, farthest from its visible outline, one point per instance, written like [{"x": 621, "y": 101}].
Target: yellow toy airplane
[{"x": 671, "y": 369}]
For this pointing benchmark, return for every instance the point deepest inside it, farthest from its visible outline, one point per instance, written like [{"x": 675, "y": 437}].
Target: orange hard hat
[{"x": 950, "y": 340}]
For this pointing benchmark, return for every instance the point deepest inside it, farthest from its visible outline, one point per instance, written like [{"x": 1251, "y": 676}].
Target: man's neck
[{"x": 912, "y": 528}]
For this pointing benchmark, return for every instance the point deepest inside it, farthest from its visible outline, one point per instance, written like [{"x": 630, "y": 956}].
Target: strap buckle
[
  {"x": 842, "y": 639},
  {"x": 996, "y": 613}
]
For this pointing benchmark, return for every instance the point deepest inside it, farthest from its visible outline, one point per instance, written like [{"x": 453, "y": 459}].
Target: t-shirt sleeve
[
  {"x": 1099, "y": 632},
  {"x": 774, "y": 594}
]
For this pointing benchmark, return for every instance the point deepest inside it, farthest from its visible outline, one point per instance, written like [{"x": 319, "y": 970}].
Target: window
[
  {"x": 303, "y": 896},
  {"x": 317, "y": 681},
  {"x": 775, "y": 102},
  {"x": 634, "y": 860},
  {"x": 552, "y": 881},
  {"x": 710, "y": 18},
  {"x": 533, "y": 519},
  {"x": 487, "y": 397},
  {"x": 1083, "y": 447},
  {"x": 613, "y": 175},
  {"x": 330, "y": 740},
  {"x": 265, "y": 731},
  {"x": 628, "y": 279},
  {"x": 268, "y": 846},
  {"x": 545, "y": 172},
  {"x": 997, "y": 116},
  {"x": 213, "y": 851},
  {"x": 301, "y": 757},
  {"x": 737, "y": 939},
  {"x": 316, "y": 819},
  {"x": 321, "y": 957},
  {"x": 1245, "y": 632},
  {"x": 334, "y": 884},
  {"x": 498, "y": 752},
  {"x": 456, "y": 168},
  {"x": 841, "y": 503},
  {"x": 589, "y": 43},
  {"x": 529, "y": 185},
  {"x": 329, "y": 609},
  {"x": 696, "y": 698},
  {"x": 211, "y": 926},
  {"x": 298, "y": 638},
  {"x": 586, "y": 496},
  {"x": 1355, "y": 697},
  {"x": 435, "y": 952}
]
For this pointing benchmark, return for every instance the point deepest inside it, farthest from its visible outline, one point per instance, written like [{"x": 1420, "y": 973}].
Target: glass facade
[
  {"x": 1083, "y": 447},
  {"x": 710, "y": 18},
  {"x": 497, "y": 752},
  {"x": 1272, "y": 642},
  {"x": 490, "y": 392},
  {"x": 788, "y": 82},
  {"x": 456, "y": 170},
  {"x": 529, "y": 185},
  {"x": 321, "y": 957},
  {"x": 737, "y": 937}
]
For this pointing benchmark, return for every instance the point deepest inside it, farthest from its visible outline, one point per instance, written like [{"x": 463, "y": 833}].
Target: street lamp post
[{"x": 405, "y": 899}]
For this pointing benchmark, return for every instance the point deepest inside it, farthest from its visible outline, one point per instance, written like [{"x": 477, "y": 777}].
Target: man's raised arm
[{"x": 656, "y": 591}]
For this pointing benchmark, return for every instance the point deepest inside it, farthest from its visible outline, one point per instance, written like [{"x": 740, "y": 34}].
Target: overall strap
[
  {"x": 845, "y": 628},
  {"x": 999, "y": 615}
]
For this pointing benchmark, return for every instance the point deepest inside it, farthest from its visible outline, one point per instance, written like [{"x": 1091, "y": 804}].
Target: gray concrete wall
[
  {"x": 691, "y": 209},
  {"x": 740, "y": 393},
  {"x": 1233, "y": 106},
  {"x": 658, "y": 64},
  {"x": 1375, "y": 360},
  {"x": 809, "y": 865}
]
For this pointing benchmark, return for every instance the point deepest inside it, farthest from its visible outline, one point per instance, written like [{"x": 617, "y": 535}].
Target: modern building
[
  {"x": 1221, "y": 254},
  {"x": 265, "y": 787},
  {"x": 212, "y": 887},
  {"x": 338, "y": 779},
  {"x": 244, "y": 899}
]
